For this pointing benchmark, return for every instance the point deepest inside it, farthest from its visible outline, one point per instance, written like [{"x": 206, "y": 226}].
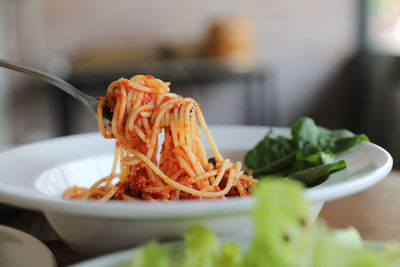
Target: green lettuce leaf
[
  {"x": 229, "y": 256},
  {"x": 201, "y": 246},
  {"x": 149, "y": 255},
  {"x": 281, "y": 215},
  {"x": 283, "y": 236},
  {"x": 331, "y": 252}
]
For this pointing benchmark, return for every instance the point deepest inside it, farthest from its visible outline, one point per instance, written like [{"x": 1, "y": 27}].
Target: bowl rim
[{"x": 21, "y": 191}]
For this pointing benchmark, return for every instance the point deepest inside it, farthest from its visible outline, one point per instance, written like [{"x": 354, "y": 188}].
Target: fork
[{"x": 88, "y": 101}]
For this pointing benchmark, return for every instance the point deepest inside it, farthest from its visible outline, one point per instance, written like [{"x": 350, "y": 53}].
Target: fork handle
[{"x": 87, "y": 100}]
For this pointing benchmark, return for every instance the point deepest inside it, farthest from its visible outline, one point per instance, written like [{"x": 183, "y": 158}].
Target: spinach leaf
[
  {"x": 344, "y": 144},
  {"x": 310, "y": 176},
  {"x": 305, "y": 131},
  {"x": 313, "y": 156},
  {"x": 311, "y": 146},
  {"x": 280, "y": 166},
  {"x": 212, "y": 161},
  {"x": 272, "y": 154}
]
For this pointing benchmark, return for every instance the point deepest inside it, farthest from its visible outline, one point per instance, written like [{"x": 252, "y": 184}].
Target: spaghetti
[{"x": 143, "y": 110}]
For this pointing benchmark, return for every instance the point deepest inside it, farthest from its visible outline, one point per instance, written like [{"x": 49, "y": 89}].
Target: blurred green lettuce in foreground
[{"x": 283, "y": 236}]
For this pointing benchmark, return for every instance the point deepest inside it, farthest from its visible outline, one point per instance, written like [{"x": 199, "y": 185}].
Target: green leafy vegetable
[
  {"x": 149, "y": 255},
  {"x": 281, "y": 215},
  {"x": 284, "y": 236},
  {"x": 305, "y": 131},
  {"x": 310, "y": 146},
  {"x": 229, "y": 256},
  {"x": 311, "y": 156},
  {"x": 212, "y": 161},
  {"x": 311, "y": 176},
  {"x": 271, "y": 154},
  {"x": 201, "y": 246}
]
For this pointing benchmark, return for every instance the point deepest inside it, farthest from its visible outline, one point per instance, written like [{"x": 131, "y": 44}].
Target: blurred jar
[{"x": 231, "y": 42}]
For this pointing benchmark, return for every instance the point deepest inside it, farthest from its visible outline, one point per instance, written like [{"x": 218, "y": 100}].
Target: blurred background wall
[{"x": 246, "y": 62}]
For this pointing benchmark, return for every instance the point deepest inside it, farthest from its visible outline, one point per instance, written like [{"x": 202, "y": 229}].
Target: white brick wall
[{"x": 302, "y": 41}]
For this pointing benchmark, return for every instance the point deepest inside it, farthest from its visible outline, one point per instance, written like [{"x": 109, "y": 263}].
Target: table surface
[{"x": 375, "y": 212}]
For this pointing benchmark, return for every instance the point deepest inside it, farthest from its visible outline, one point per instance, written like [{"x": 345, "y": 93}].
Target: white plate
[
  {"x": 34, "y": 176},
  {"x": 21, "y": 249}
]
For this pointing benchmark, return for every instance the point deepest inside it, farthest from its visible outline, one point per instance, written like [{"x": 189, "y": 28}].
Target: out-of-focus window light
[{"x": 383, "y": 20}]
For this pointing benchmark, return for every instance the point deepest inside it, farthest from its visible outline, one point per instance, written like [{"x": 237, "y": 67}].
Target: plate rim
[
  {"x": 188, "y": 208},
  {"x": 25, "y": 236}
]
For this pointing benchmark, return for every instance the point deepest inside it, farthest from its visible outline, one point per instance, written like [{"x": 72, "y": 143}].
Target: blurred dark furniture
[
  {"x": 365, "y": 98},
  {"x": 259, "y": 99}
]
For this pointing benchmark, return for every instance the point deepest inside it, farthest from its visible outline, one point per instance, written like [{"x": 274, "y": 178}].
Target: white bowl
[{"x": 34, "y": 176}]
